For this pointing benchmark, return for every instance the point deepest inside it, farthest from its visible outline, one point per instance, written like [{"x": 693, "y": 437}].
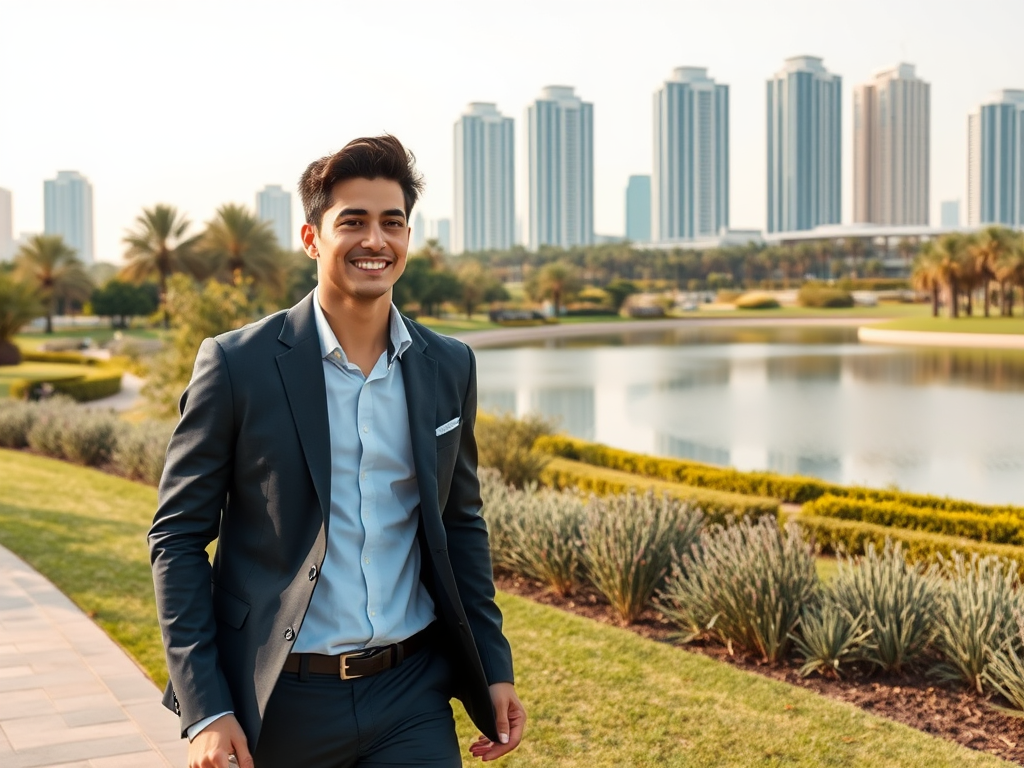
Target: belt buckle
[{"x": 343, "y": 663}]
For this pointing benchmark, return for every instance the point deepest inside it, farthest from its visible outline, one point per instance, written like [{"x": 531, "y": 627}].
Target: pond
[{"x": 796, "y": 400}]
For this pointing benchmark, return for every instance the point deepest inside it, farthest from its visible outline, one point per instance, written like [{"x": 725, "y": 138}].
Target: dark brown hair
[{"x": 372, "y": 157}]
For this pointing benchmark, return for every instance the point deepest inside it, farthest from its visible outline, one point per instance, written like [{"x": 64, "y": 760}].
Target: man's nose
[{"x": 374, "y": 240}]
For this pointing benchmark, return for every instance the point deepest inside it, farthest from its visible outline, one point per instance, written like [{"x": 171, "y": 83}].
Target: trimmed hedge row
[
  {"x": 74, "y": 358},
  {"x": 835, "y": 535},
  {"x": 717, "y": 506},
  {"x": 996, "y": 528},
  {"x": 793, "y": 489},
  {"x": 95, "y": 384}
]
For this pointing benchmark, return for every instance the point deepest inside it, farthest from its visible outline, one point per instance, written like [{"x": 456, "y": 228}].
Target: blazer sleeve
[
  {"x": 193, "y": 490},
  {"x": 468, "y": 546}
]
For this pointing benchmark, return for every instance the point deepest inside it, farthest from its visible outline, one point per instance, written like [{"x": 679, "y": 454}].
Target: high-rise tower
[
  {"x": 995, "y": 161},
  {"x": 274, "y": 206},
  {"x": 485, "y": 216},
  {"x": 67, "y": 211}
]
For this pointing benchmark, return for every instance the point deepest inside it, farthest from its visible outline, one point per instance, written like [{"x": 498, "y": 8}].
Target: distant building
[
  {"x": 274, "y": 206},
  {"x": 484, "y": 180},
  {"x": 804, "y": 146},
  {"x": 443, "y": 234},
  {"x": 891, "y": 155},
  {"x": 419, "y": 231},
  {"x": 995, "y": 161},
  {"x": 950, "y": 213},
  {"x": 690, "y": 187},
  {"x": 638, "y": 209},
  {"x": 67, "y": 211},
  {"x": 7, "y": 247},
  {"x": 561, "y": 169}
]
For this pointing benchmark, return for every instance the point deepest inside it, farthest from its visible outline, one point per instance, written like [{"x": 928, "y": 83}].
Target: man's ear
[{"x": 308, "y": 234}]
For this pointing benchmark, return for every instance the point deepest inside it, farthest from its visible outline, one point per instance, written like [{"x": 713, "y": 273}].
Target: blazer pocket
[
  {"x": 449, "y": 438},
  {"x": 229, "y": 609}
]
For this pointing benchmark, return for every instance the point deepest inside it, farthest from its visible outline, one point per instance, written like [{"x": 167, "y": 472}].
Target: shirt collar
[{"x": 399, "y": 339}]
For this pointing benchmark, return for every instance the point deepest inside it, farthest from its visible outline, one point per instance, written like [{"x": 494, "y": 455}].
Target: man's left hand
[{"x": 510, "y": 718}]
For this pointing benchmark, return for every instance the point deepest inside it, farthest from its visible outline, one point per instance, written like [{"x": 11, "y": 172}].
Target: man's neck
[{"x": 361, "y": 327}]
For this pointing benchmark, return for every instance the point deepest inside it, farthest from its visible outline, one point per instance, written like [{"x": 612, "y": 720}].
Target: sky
[{"x": 197, "y": 104}]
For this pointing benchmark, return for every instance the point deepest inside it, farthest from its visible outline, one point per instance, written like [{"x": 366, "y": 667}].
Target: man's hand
[
  {"x": 221, "y": 738},
  {"x": 511, "y": 719}
]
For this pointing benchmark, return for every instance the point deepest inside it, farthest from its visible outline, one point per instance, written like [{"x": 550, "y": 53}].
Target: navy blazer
[{"x": 249, "y": 466}]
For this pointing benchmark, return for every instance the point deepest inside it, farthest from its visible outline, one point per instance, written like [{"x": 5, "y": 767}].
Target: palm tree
[
  {"x": 555, "y": 281},
  {"x": 158, "y": 246},
  {"x": 52, "y": 267},
  {"x": 18, "y": 306},
  {"x": 926, "y": 274},
  {"x": 1009, "y": 269},
  {"x": 950, "y": 262},
  {"x": 238, "y": 245},
  {"x": 988, "y": 249}
]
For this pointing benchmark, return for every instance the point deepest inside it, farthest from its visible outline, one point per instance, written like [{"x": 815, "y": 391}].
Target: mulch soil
[{"x": 945, "y": 710}]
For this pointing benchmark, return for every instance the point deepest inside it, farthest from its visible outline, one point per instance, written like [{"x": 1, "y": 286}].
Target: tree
[
  {"x": 1009, "y": 270},
  {"x": 237, "y": 245},
  {"x": 159, "y": 246},
  {"x": 988, "y": 249},
  {"x": 19, "y": 305},
  {"x": 49, "y": 265},
  {"x": 619, "y": 290},
  {"x": 122, "y": 301},
  {"x": 946, "y": 256},
  {"x": 478, "y": 285},
  {"x": 556, "y": 281},
  {"x": 926, "y": 274}
]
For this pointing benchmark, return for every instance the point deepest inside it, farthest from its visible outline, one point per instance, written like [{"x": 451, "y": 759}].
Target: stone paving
[{"x": 69, "y": 696}]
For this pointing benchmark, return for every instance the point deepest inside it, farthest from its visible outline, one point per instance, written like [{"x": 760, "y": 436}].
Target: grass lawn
[
  {"x": 994, "y": 324},
  {"x": 881, "y": 311},
  {"x": 597, "y": 695},
  {"x": 33, "y": 341},
  {"x": 37, "y": 372}
]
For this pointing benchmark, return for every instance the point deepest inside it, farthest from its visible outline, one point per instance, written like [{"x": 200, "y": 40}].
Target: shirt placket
[{"x": 368, "y": 501}]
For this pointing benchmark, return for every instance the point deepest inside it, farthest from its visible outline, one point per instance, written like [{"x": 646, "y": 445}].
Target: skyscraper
[
  {"x": 484, "y": 180},
  {"x": 950, "y": 213},
  {"x": 891, "y": 140},
  {"x": 638, "y": 209},
  {"x": 67, "y": 211},
  {"x": 419, "y": 231},
  {"x": 804, "y": 143},
  {"x": 274, "y": 205},
  {"x": 6, "y": 225},
  {"x": 995, "y": 161},
  {"x": 690, "y": 189},
  {"x": 561, "y": 169},
  {"x": 443, "y": 234}
]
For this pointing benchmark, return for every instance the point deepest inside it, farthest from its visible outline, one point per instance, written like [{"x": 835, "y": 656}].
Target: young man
[{"x": 329, "y": 450}]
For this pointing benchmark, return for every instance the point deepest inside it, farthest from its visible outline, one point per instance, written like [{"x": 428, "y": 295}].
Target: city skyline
[
  {"x": 484, "y": 216},
  {"x": 68, "y": 212},
  {"x": 245, "y": 144}
]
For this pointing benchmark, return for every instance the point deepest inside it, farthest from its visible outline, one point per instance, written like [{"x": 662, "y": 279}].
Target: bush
[
  {"x": 140, "y": 450},
  {"x": 823, "y": 297},
  {"x": 979, "y": 602},
  {"x": 534, "y": 533},
  {"x": 718, "y": 506},
  {"x": 898, "y": 600},
  {"x": 745, "y": 585},
  {"x": 628, "y": 544},
  {"x": 89, "y": 437},
  {"x": 1006, "y": 668},
  {"x": 829, "y": 637},
  {"x": 506, "y": 444},
  {"x": 52, "y": 418},
  {"x": 999, "y": 528},
  {"x": 756, "y": 300},
  {"x": 16, "y": 419}
]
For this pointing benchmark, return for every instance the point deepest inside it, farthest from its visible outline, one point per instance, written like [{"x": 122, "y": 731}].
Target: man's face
[{"x": 362, "y": 241}]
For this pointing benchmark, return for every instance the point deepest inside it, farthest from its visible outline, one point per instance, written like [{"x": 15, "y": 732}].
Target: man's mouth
[{"x": 370, "y": 265}]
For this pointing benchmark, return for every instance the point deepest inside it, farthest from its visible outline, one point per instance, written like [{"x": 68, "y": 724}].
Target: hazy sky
[{"x": 201, "y": 103}]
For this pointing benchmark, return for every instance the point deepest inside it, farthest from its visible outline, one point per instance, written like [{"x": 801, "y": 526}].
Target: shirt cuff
[{"x": 193, "y": 730}]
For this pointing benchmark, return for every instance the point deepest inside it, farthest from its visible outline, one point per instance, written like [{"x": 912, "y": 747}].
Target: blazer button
[
  {"x": 289, "y": 634},
  {"x": 312, "y": 572}
]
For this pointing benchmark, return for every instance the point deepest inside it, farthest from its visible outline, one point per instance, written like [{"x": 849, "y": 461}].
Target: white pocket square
[{"x": 448, "y": 426}]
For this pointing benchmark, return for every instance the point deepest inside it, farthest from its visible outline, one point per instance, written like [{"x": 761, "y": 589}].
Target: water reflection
[{"x": 807, "y": 401}]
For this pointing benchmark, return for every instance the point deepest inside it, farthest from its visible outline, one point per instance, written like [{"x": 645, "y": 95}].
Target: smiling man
[{"x": 329, "y": 450}]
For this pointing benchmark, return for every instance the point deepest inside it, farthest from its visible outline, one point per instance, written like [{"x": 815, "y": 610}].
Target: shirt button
[
  {"x": 366, "y": 560},
  {"x": 362, "y": 475},
  {"x": 312, "y": 572},
  {"x": 289, "y": 634},
  {"x": 366, "y": 429},
  {"x": 373, "y": 613}
]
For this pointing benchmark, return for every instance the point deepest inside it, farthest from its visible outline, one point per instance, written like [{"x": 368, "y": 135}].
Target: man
[{"x": 329, "y": 449}]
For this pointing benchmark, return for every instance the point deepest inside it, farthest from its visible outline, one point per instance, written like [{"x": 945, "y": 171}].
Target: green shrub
[
  {"x": 823, "y": 297},
  {"x": 16, "y": 419},
  {"x": 756, "y": 300},
  {"x": 999, "y": 528},
  {"x": 1005, "y": 671},
  {"x": 534, "y": 533},
  {"x": 74, "y": 358},
  {"x": 506, "y": 444},
  {"x": 89, "y": 437},
  {"x": 978, "y": 605},
  {"x": 898, "y": 599},
  {"x": 52, "y": 418},
  {"x": 628, "y": 543},
  {"x": 92, "y": 386},
  {"x": 829, "y": 637},
  {"x": 717, "y": 506},
  {"x": 140, "y": 450},
  {"x": 745, "y": 585}
]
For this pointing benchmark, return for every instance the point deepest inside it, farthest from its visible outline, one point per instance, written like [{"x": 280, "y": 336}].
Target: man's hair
[{"x": 372, "y": 157}]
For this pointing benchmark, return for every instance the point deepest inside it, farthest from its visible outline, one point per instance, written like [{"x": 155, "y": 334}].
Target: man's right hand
[{"x": 221, "y": 738}]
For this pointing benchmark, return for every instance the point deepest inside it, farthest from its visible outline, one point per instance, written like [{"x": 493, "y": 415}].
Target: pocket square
[{"x": 448, "y": 426}]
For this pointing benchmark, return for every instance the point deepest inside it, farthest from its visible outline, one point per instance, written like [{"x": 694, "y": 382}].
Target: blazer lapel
[
  {"x": 419, "y": 374},
  {"x": 301, "y": 369}
]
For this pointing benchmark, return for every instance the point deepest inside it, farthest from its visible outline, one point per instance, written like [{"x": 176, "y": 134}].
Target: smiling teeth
[{"x": 370, "y": 264}]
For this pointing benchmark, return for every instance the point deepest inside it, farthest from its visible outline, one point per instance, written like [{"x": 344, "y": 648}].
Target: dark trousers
[{"x": 399, "y": 717}]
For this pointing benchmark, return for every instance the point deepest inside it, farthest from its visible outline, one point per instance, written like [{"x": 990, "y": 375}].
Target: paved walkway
[{"x": 69, "y": 696}]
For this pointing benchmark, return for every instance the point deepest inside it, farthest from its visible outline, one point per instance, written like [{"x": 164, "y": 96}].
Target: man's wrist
[{"x": 196, "y": 728}]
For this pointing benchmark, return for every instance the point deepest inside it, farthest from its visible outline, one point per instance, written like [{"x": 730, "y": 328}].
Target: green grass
[
  {"x": 597, "y": 696},
  {"x": 34, "y": 340},
  {"x": 37, "y": 372},
  {"x": 881, "y": 311},
  {"x": 994, "y": 324}
]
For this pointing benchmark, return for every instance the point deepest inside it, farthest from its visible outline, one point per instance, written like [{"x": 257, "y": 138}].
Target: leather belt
[{"x": 356, "y": 664}]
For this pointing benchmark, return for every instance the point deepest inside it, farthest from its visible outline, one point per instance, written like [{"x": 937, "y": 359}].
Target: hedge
[
  {"x": 995, "y": 528},
  {"x": 93, "y": 385},
  {"x": 75, "y": 358},
  {"x": 792, "y": 488},
  {"x": 833, "y": 534},
  {"x": 717, "y": 506}
]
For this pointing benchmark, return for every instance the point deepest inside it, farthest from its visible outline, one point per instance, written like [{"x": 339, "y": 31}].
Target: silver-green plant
[
  {"x": 140, "y": 450},
  {"x": 52, "y": 417},
  {"x": 1005, "y": 670},
  {"x": 829, "y": 637},
  {"x": 628, "y": 545},
  {"x": 745, "y": 585},
  {"x": 89, "y": 437},
  {"x": 16, "y": 419},
  {"x": 899, "y": 602},
  {"x": 980, "y": 599}
]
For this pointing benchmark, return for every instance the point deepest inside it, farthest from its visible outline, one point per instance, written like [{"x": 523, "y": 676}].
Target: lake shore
[{"x": 967, "y": 339}]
